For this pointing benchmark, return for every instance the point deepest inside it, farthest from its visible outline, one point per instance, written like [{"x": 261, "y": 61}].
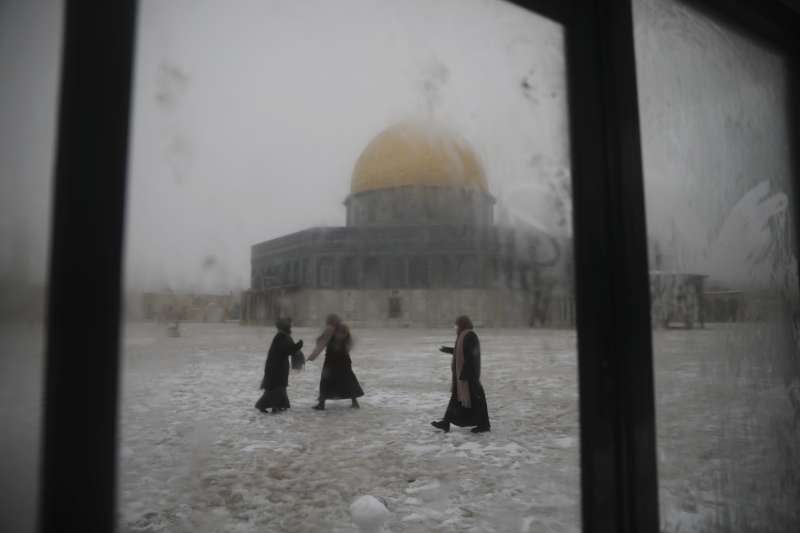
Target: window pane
[
  {"x": 718, "y": 179},
  {"x": 410, "y": 160},
  {"x": 30, "y": 45}
]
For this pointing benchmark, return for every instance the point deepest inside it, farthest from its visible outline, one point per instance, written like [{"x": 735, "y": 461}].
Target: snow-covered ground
[
  {"x": 196, "y": 455},
  {"x": 728, "y": 428}
]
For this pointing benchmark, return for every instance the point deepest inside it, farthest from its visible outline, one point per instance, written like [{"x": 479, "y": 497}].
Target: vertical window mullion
[
  {"x": 617, "y": 413},
  {"x": 78, "y": 478}
]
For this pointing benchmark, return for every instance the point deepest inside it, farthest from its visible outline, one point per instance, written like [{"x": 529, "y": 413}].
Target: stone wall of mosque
[
  {"x": 497, "y": 307},
  {"x": 395, "y": 257},
  {"x": 410, "y": 275}
]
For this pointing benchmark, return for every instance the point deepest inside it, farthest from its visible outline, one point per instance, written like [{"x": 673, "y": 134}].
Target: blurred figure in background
[
  {"x": 276, "y": 369},
  {"x": 338, "y": 381},
  {"x": 467, "y": 405}
]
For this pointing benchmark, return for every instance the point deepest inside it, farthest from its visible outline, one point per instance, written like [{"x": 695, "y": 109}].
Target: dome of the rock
[{"x": 417, "y": 153}]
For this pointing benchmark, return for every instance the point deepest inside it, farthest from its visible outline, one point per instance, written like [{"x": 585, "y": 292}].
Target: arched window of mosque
[
  {"x": 436, "y": 271},
  {"x": 508, "y": 274},
  {"x": 397, "y": 211},
  {"x": 429, "y": 206},
  {"x": 297, "y": 278},
  {"x": 308, "y": 275},
  {"x": 418, "y": 271},
  {"x": 326, "y": 272},
  {"x": 397, "y": 272},
  {"x": 287, "y": 273},
  {"x": 452, "y": 272},
  {"x": 268, "y": 275},
  {"x": 372, "y": 273},
  {"x": 468, "y": 271},
  {"x": 491, "y": 270},
  {"x": 526, "y": 276},
  {"x": 465, "y": 205},
  {"x": 349, "y": 272},
  {"x": 361, "y": 213}
]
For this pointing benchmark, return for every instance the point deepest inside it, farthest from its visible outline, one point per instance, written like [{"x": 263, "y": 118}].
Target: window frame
[{"x": 619, "y": 484}]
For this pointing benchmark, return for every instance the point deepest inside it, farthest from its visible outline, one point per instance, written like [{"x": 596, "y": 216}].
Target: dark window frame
[{"x": 618, "y": 466}]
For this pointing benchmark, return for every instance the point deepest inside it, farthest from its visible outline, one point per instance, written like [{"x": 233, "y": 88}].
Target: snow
[
  {"x": 198, "y": 456},
  {"x": 369, "y": 514},
  {"x": 195, "y": 454}
]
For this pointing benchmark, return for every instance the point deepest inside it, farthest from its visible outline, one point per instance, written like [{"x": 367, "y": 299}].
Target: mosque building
[{"x": 420, "y": 247}]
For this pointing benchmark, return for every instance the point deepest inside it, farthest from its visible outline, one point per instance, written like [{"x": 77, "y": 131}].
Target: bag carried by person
[{"x": 298, "y": 360}]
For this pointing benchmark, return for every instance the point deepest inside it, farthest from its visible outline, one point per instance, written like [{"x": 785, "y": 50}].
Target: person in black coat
[
  {"x": 338, "y": 380},
  {"x": 276, "y": 369},
  {"x": 467, "y": 405}
]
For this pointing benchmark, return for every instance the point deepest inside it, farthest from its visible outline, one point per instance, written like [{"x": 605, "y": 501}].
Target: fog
[
  {"x": 715, "y": 145},
  {"x": 30, "y": 34},
  {"x": 247, "y": 122}
]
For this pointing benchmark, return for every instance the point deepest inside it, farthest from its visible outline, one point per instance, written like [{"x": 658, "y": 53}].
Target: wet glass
[
  {"x": 716, "y": 140},
  {"x": 30, "y": 46},
  {"x": 399, "y": 164}
]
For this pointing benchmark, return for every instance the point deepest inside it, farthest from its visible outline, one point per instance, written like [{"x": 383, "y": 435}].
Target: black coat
[
  {"x": 478, "y": 413},
  {"x": 471, "y": 372},
  {"x": 276, "y": 369}
]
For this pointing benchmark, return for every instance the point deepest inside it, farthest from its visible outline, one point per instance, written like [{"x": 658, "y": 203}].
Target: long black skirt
[
  {"x": 275, "y": 398},
  {"x": 338, "y": 381},
  {"x": 475, "y": 415}
]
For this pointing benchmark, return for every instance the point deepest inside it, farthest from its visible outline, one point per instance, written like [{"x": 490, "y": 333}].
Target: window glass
[
  {"x": 714, "y": 108},
  {"x": 397, "y": 151},
  {"x": 30, "y": 48}
]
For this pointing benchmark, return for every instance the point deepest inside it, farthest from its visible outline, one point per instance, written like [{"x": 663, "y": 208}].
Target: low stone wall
[{"x": 495, "y": 307}]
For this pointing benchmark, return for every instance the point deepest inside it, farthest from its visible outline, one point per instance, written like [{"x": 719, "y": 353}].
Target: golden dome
[{"x": 417, "y": 153}]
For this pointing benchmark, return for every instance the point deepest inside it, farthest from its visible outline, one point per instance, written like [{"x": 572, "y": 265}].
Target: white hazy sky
[
  {"x": 248, "y": 116},
  {"x": 715, "y": 143},
  {"x": 30, "y": 43}
]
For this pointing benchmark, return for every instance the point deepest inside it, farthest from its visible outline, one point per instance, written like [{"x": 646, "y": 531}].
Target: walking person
[
  {"x": 467, "y": 407},
  {"x": 338, "y": 382},
  {"x": 276, "y": 369}
]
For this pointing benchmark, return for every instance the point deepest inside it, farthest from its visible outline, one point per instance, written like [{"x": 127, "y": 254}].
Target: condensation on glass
[
  {"x": 714, "y": 108},
  {"x": 30, "y": 47},
  {"x": 397, "y": 163}
]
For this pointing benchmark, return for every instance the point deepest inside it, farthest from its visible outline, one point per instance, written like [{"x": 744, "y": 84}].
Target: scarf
[{"x": 462, "y": 387}]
